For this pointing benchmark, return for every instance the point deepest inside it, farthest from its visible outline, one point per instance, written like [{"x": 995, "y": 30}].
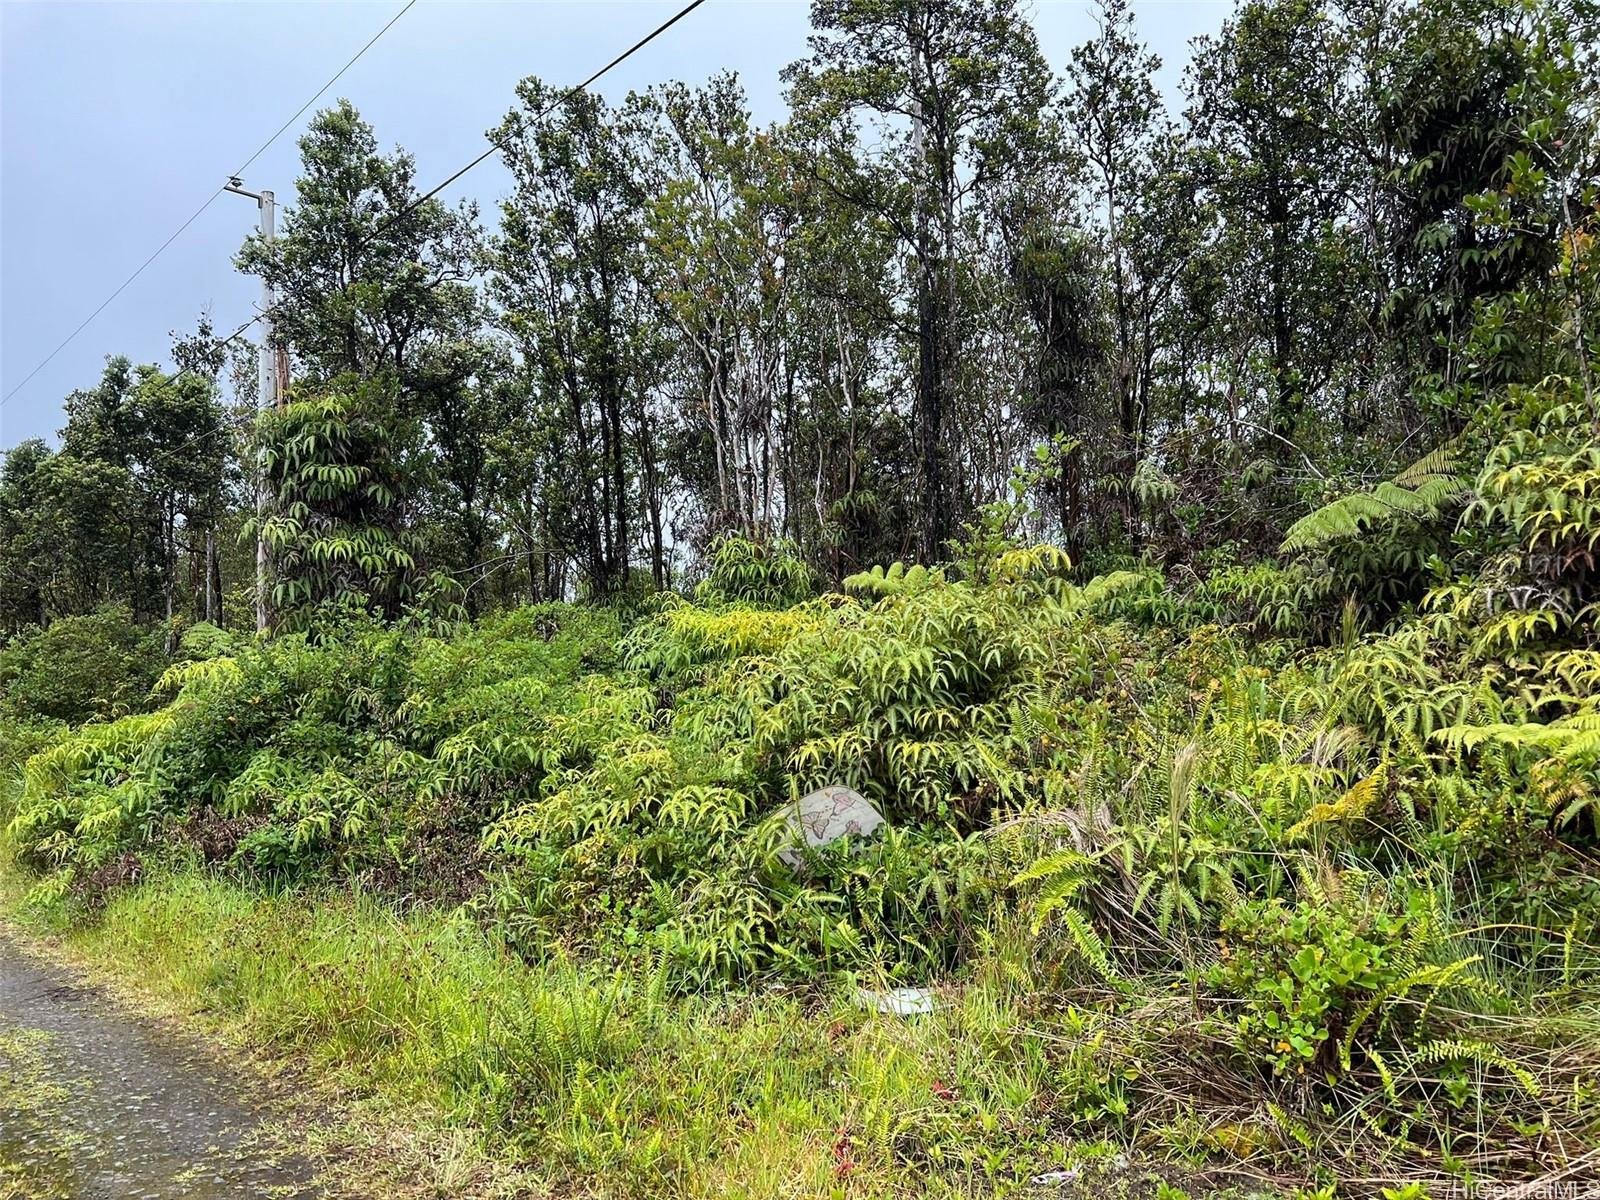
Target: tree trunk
[
  {"x": 1285, "y": 406},
  {"x": 931, "y": 386},
  {"x": 212, "y": 587}
]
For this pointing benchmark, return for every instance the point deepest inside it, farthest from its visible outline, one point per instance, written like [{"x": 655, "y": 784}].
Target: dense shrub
[
  {"x": 86, "y": 668},
  {"x": 753, "y": 572}
]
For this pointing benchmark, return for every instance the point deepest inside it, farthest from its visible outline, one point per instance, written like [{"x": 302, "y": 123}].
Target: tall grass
[{"x": 602, "y": 1078}]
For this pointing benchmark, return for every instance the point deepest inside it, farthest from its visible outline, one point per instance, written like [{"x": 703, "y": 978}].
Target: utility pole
[{"x": 272, "y": 379}]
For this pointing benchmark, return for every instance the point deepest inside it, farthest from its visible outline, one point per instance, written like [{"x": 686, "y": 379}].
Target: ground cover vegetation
[{"x": 1183, "y": 531}]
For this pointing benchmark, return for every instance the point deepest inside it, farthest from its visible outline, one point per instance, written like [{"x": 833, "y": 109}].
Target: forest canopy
[{"x": 957, "y": 275}]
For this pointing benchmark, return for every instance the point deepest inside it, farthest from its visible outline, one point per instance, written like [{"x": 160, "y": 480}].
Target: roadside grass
[
  {"x": 433, "y": 1062},
  {"x": 571, "y": 1079}
]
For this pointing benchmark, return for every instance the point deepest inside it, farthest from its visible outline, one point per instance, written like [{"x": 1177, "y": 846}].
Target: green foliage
[
  {"x": 644, "y": 795},
  {"x": 1424, "y": 491},
  {"x": 1306, "y": 977},
  {"x": 751, "y": 572},
  {"x": 337, "y": 473},
  {"x": 115, "y": 515},
  {"x": 1280, "y": 862},
  {"x": 362, "y": 292},
  {"x": 87, "y": 668},
  {"x": 897, "y": 577},
  {"x": 1235, "y": 849},
  {"x": 1541, "y": 482}
]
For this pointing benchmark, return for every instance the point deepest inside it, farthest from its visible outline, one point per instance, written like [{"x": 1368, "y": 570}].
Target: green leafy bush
[
  {"x": 1304, "y": 977},
  {"x": 743, "y": 570},
  {"x": 1194, "y": 842},
  {"x": 79, "y": 669}
]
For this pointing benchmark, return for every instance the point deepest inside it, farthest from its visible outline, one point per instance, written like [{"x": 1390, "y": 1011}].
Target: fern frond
[
  {"x": 1351, "y": 806},
  {"x": 1481, "y": 1053},
  {"x": 1422, "y": 491},
  {"x": 1092, "y": 947}
]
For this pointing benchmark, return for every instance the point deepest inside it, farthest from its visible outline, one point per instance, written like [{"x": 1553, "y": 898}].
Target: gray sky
[{"x": 117, "y": 119}]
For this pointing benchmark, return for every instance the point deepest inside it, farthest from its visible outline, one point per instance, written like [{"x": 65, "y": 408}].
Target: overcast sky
[{"x": 118, "y": 118}]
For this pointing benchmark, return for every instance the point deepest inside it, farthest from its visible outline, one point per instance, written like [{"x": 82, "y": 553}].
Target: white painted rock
[{"x": 827, "y": 815}]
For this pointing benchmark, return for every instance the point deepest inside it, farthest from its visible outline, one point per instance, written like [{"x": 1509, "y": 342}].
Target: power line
[
  {"x": 318, "y": 94},
  {"x": 138, "y": 271},
  {"x": 225, "y": 341},
  {"x": 84, "y": 324},
  {"x": 500, "y": 144},
  {"x": 206, "y": 433}
]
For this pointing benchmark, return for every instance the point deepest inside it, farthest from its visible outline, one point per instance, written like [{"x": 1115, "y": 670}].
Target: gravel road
[{"x": 100, "y": 1103}]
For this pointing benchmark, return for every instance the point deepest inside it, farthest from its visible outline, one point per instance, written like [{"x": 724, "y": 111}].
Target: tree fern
[{"x": 1424, "y": 490}]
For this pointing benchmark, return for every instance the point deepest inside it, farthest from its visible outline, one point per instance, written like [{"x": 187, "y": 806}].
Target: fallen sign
[{"x": 825, "y": 816}]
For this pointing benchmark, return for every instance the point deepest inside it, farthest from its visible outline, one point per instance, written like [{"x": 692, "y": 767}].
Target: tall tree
[
  {"x": 374, "y": 286},
  {"x": 1266, "y": 98},
  {"x": 719, "y": 240},
  {"x": 1118, "y": 127},
  {"x": 566, "y": 277},
  {"x": 1444, "y": 84},
  {"x": 953, "y": 90},
  {"x": 368, "y": 280},
  {"x": 29, "y": 536}
]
